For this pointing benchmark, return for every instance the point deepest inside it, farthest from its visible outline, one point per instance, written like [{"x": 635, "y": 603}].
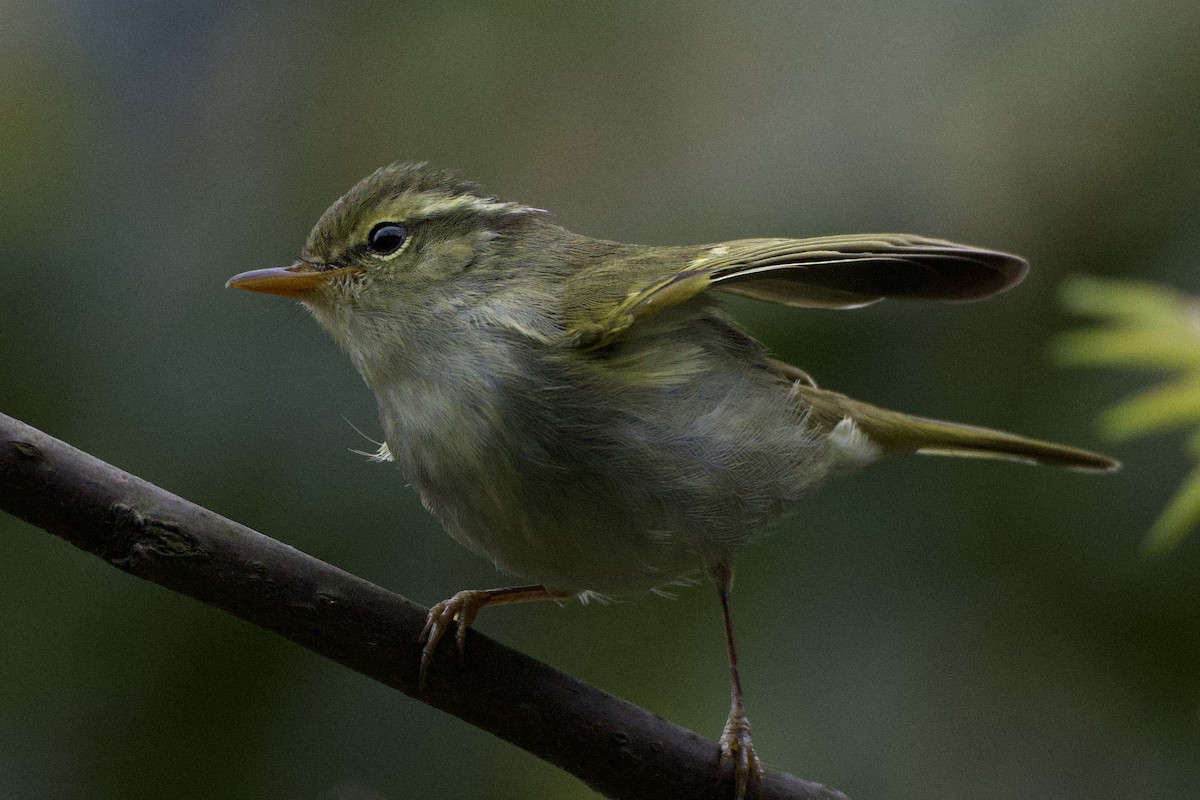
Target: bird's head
[{"x": 400, "y": 230}]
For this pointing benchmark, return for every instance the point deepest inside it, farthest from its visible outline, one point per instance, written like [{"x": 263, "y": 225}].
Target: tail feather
[
  {"x": 951, "y": 439},
  {"x": 897, "y": 433}
]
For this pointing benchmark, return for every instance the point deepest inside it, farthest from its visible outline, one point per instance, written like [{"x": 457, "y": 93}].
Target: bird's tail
[{"x": 896, "y": 434}]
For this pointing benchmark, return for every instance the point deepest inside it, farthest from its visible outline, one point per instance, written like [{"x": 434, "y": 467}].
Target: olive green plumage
[{"x": 582, "y": 411}]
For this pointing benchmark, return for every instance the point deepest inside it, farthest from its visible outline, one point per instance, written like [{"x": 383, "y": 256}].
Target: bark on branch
[{"x": 619, "y": 749}]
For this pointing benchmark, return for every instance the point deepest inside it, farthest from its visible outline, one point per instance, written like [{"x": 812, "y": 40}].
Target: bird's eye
[{"x": 386, "y": 238}]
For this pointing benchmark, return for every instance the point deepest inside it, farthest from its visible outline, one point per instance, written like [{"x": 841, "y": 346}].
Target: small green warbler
[{"x": 583, "y": 413}]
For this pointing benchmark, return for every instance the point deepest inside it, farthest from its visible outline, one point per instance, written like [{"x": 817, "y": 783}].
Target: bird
[{"x": 585, "y": 413}]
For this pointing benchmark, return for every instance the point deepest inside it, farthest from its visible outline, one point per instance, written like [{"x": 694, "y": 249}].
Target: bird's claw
[
  {"x": 461, "y": 608},
  {"x": 738, "y": 751}
]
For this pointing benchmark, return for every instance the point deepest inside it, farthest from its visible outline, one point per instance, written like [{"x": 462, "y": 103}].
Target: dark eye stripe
[{"x": 386, "y": 238}]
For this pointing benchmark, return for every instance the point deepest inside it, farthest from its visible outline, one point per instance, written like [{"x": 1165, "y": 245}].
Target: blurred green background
[{"x": 926, "y": 629}]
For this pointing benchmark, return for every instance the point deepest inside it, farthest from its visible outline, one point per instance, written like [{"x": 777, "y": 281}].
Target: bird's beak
[{"x": 296, "y": 281}]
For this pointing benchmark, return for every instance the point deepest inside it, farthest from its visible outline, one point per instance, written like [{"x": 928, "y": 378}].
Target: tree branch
[{"x": 617, "y": 748}]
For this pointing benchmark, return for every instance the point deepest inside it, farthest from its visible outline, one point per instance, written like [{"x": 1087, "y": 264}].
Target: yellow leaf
[
  {"x": 1166, "y": 406},
  {"x": 1181, "y": 515},
  {"x": 1174, "y": 347},
  {"x": 1124, "y": 299}
]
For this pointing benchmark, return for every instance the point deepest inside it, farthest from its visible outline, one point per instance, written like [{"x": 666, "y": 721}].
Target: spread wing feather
[{"x": 822, "y": 272}]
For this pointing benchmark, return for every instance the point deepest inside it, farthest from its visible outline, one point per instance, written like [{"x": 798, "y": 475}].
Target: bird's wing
[{"x": 825, "y": 272}]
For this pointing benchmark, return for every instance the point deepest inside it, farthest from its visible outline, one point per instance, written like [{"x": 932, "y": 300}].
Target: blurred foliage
[{"x": 1148, "y": 327}]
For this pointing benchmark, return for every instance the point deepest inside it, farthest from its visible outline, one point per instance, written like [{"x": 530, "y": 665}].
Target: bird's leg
[
  {"x": 736, "y": 748},
  {"x": 464, "y": 607}
]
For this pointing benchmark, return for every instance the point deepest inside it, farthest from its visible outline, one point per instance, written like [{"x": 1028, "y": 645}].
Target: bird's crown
[{"x": 407, "y": 193}]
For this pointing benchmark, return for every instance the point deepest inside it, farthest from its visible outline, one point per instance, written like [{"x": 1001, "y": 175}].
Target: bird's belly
[
  {"x": 639, "y": 510},
  {"x": 559, "y": 536},
  {"x": 579, "y": 482}
]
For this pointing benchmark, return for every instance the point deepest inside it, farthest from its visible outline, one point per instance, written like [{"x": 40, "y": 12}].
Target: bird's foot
[
  {"x": 738, "y": 751},
  {"x": 464, "y": 607},
  {"x": 461, "y": 608}
]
